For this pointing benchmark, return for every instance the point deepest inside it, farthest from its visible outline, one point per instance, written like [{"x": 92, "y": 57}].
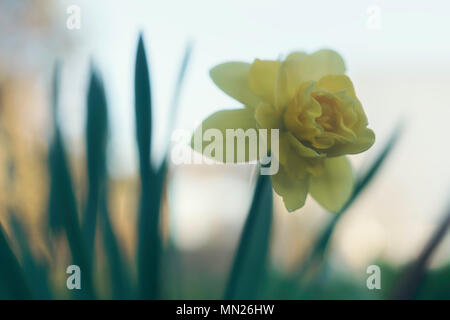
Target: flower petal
[
  {"x": 293, "y": 191},
  {"x": 334, "y": 187},
  {"x": 263, "y": 77},
  {"x": 295, "y": 165},
  {"x": 221, "y": 121},
  {"x": 364, "y": 141},
  {"x": 289, "y": 78},
  {"x": 303, "y": 127},
  {"x": 322, "y": 63},
  {"x": 335, "y": 83},
  {"x": 300, "y": 148},
  {"x": 268, "y": 117},
  {"x": 232, "y": 78},
  {"x": 299, "y": 67}
]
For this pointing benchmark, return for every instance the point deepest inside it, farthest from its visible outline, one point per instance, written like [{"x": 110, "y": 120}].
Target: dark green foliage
[
  {"x": 35, "y": 270},
  {"x": 143, "y": 111},
  {"x": 97, "y": 199},
  {"x": 55, "y": 220},
  {"x": 250, "y": 262},
  {"x": 63, "y": 206},
  {"x": 12, "y": 281},
  {"x": 96, "y": 137},
  {"x": 411, "y": 279},
  {"x": 316, "y": 256},
  {"x": 435, "y": 284},
  {"x": 25, "y": 276},
  {"x": 151, "y": 180},
  {"x": 178, "y": 88},
  {"x": 149, "y": 242},
  {"x": 118, "y": 271}
]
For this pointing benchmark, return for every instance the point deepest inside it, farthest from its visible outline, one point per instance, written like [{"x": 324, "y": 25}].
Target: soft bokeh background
[{"x": 397, "y": 55}]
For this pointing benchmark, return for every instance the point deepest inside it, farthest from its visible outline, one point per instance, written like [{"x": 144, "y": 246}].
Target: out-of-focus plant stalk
[
  {"x": 316, "y": 255},
  {"x": 409, "y": 284},
  {"x": 250, "y": 260}
]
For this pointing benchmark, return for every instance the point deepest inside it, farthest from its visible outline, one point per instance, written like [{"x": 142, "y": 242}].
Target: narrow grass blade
[
  {"x": 178, "y": 89},
  {"x": 143, "y": 111},
  {"x": 318, "y": 251},
  {"x": 152, "y": 182},
  {"x": 149, "y": 242},
  {"x": 120, "y": 280},
  {"x": 250, "y": 261},
  {"x": 61, "y": 180},
  {"x": 35, "y": 271},
  {"x": 162, "y": 170},
  {"x": 409, "y": 283},
  {"x": 54, "y": 218},
  {"x": 55, "y": 93},
  {"x": 12, "y": 281},
  {"x": 97, "y": 201},
  {"x": 63, "y": 206},
  {"x": 96, "y": 138}
]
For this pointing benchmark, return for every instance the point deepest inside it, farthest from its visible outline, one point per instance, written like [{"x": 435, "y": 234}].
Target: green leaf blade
[
  {"x": 149, "y": 242},
  {"x": 63, "y": 209},
  {"x": 12, "y": 281},
  {"x": 250, "y": 261},
  {"x": 96, "y": 139},
  {"x": 318, "y": 252}
]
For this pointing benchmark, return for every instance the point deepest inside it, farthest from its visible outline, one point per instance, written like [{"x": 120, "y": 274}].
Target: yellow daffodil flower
[{"x": 320, "y": 120}]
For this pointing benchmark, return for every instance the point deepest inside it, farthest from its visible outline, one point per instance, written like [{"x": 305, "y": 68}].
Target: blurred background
[{"x": 396, "y": 54}]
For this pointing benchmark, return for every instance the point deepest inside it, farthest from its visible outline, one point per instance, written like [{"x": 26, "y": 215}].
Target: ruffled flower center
[{"x": 319, "y": 119}]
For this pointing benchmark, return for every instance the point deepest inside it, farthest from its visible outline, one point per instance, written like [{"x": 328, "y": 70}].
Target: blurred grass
[
  {"x": 149, "y": 240},
  {"x": 24, "y": 276},
  {"x": 97, "y": 199},
  {"x": 12, "y": 281},
  {"x": 96, "y": 138},
  {"x": 63, "y": 210},
  {"x": 249, "y": 264},
  {"x": 35, "y": 270},
  {"x": 151, "y": 180},
  {"x": 411, "y": 279},
  {"x": 316, "y": 256}
]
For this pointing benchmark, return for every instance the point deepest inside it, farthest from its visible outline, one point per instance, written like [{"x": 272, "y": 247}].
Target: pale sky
[
  {"x": 411, "y": 40},
  {"x": 400, "y": 68}
]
